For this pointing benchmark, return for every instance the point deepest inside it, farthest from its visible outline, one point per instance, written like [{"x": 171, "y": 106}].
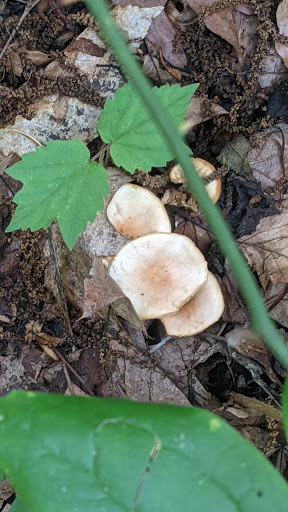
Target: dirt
[{"x": 109, "y": 356}]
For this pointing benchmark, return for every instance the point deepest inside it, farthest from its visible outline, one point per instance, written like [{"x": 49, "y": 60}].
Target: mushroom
[
  {"x": 135, "y": 211},
  {"x": 204, "y": 169},
  {"x": 159, "y": 273},
  {"x": 201, "y": 311}
]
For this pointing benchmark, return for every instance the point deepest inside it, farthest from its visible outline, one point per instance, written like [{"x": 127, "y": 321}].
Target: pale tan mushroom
[
  {"x": 159, "y": 273},
  {"x": 203, "y": 310},
  {"x": 204, "y": 169},
  {"x": 135, "y": 211}
]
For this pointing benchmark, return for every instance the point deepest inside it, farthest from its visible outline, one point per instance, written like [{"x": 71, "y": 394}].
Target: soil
[{"x": 213, "y": 375}]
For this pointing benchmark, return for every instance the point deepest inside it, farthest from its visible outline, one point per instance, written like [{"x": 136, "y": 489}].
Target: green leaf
[
  {"x": 19, "y": 506},
  {"x": 285, "y": 406},
  {"x": 59, "y": 183},
  {"x": 136, "y": 143},
  {"x": 72, "y": 454}
]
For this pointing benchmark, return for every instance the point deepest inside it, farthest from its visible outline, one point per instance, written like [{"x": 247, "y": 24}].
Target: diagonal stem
[{"x": 261, "y": 322}]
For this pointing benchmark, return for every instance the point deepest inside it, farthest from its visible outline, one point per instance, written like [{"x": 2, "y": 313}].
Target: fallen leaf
[
  {"x": 161, "y": 33},
  {"x": 136, "y": 377},
  {"x": 100, "y": 290},
  {"x": 153, "y": 70},
  {"x": 246, "y": 30},
  {"x": 273, "y": 70},
  {"x": 200, "y": 236},
  {"x": 234, "y": 155},
  {"x": 45, "y": 339},
  {"x": 266, "y": 249},
  {"x": 38, "y": 58},
  {"x": 124, "y": 309},
  {"x": 282, "y": 22},
  {"x": 221, "y": 22},
  {"x": 233, "y": 312},
  {"x": 280, "y": 312},
  {"x": 199, "y": 110},
  {"x": 268, "y": 160},
  {"x": 31, "y": 328},
  {"x": 74, "y": 390}
]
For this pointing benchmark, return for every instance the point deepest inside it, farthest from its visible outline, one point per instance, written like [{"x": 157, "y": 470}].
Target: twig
[
  {"x": 59, "y": 282},
  {"x": 87, "y": 389},
  {"x": 256, "y": 405}
]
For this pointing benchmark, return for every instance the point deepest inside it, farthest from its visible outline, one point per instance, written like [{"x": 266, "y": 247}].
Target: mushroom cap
[
  {"x": 204, "y": 169},
  {"x": 135, "y": 211},
  {"x": 201, "y": 311},
  {"x": 159, "y": 273}
]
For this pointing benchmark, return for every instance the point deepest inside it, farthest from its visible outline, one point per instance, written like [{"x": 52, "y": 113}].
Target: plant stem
[{"x": 261, "y": 322}]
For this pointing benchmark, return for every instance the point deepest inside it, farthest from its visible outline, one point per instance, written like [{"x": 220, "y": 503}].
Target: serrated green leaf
[
  {"x": 136, "y": 142},
  {"x": 59, "y": 183},
  {"x": 72, "y": 454}
]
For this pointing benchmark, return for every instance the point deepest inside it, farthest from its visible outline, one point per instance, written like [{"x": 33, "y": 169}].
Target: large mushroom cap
[
  {"x": 135, "y": 211},
  {"x": 204, "y": 169},
  {"x": 201, "y": 311},
  {"x": 159, "y": 273}
]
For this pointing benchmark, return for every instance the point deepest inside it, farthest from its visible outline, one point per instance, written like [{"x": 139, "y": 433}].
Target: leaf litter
[{"x": 57, "y": 92}]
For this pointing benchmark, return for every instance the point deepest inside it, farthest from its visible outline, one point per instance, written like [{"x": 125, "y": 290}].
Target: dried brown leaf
[
  {"x": 266, "y": 249},
  {"x": 201, "y": 237},
  {"x": 161, "y": 33},
  {"x": 100, "y": 291},
  {"x": 280, "y": 312},
  {"x": 268, "y": 160},
  {"x": 136, "y": 377},
  {"x": 221, "y": 22},
  {"x": 199, "y": 110},
  {"x": 273, "y": 70},
  {"x": 247, "y": 35},
  {"x": 74, "y": 390},
  {"x": 233, "y": 312},
  {"x": 282, "y": 22}
]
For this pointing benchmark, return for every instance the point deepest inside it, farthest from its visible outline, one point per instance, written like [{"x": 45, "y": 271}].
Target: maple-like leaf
[
  {"x": 136, "y": 142},
  {"x": 59, "y": 183}
]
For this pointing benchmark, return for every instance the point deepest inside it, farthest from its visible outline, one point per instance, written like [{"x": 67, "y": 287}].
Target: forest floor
[{"x": 55, "y": 76}]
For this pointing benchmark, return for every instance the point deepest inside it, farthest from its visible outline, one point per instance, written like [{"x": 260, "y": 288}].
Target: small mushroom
[
  {"x": 135, "y": 211},
  {"x": 201, "y": 311},
  {"x": 159, "y": 273},
  {"x": 204, "y": 169}
]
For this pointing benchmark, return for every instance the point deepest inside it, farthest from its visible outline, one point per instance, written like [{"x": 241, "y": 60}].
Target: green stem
[{"x": 261, "y": 322}]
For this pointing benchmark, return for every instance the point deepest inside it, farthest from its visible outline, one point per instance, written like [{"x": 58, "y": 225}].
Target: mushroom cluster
[
  {"x": 182, "y": 196},
  {"x": 163, "y": 274}
]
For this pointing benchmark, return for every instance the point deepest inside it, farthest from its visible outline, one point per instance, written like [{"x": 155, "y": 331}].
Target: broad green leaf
[
  {"x": 72, "y": 454},
  {"x": 59, "y": 183},
  {"x": 136, "y": 142},
  {"x": 19, "y": 506},
  {"x": 1, "y": 474},
  {"x": 285, "y": 406}
]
